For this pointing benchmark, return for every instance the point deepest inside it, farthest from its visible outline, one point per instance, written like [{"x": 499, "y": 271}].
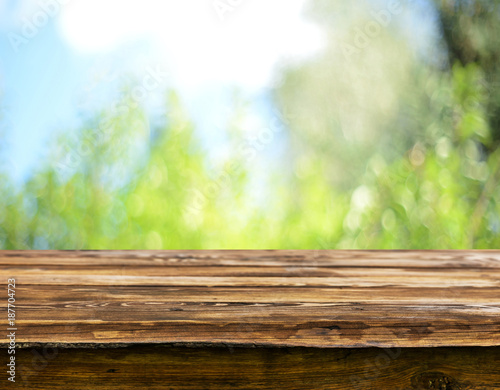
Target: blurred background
[{"x": 308, "y": 124}]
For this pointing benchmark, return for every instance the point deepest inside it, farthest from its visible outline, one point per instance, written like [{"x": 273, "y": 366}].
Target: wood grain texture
[
  {"x": 341, "y": 299},
  {"x": 179, "y": 368}
]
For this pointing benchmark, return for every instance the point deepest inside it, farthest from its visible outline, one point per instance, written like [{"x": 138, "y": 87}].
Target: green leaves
[{"x": 383, "y": 151}]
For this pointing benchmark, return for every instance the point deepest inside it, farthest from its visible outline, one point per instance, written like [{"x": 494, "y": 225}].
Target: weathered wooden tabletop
[
  {"x": 285, "y": 298},
  {"x": 333, "y": 300}
]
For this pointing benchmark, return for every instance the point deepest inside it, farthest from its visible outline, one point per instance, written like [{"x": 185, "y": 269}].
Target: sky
[{"x": 59, "y": 59}]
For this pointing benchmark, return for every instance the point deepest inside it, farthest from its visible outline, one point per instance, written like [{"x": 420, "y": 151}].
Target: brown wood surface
[
  {"x": 342, "y": 299},
  {"x": 176, "y": 368}
]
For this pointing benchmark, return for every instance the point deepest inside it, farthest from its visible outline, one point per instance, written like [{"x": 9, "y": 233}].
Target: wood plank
[
  {"x": 448, "y": 259},
  {"x": 330, "y": 299},
  {"x": 297, "y": 296},
  {"x": 169, "y": 368}
]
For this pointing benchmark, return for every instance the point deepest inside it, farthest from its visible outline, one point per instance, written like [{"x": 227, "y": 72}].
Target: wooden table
[{"x": 254, "y": 319}]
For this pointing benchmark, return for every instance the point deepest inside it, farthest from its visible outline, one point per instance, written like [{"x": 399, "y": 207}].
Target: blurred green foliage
[{"x": 386, "y": 149}]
